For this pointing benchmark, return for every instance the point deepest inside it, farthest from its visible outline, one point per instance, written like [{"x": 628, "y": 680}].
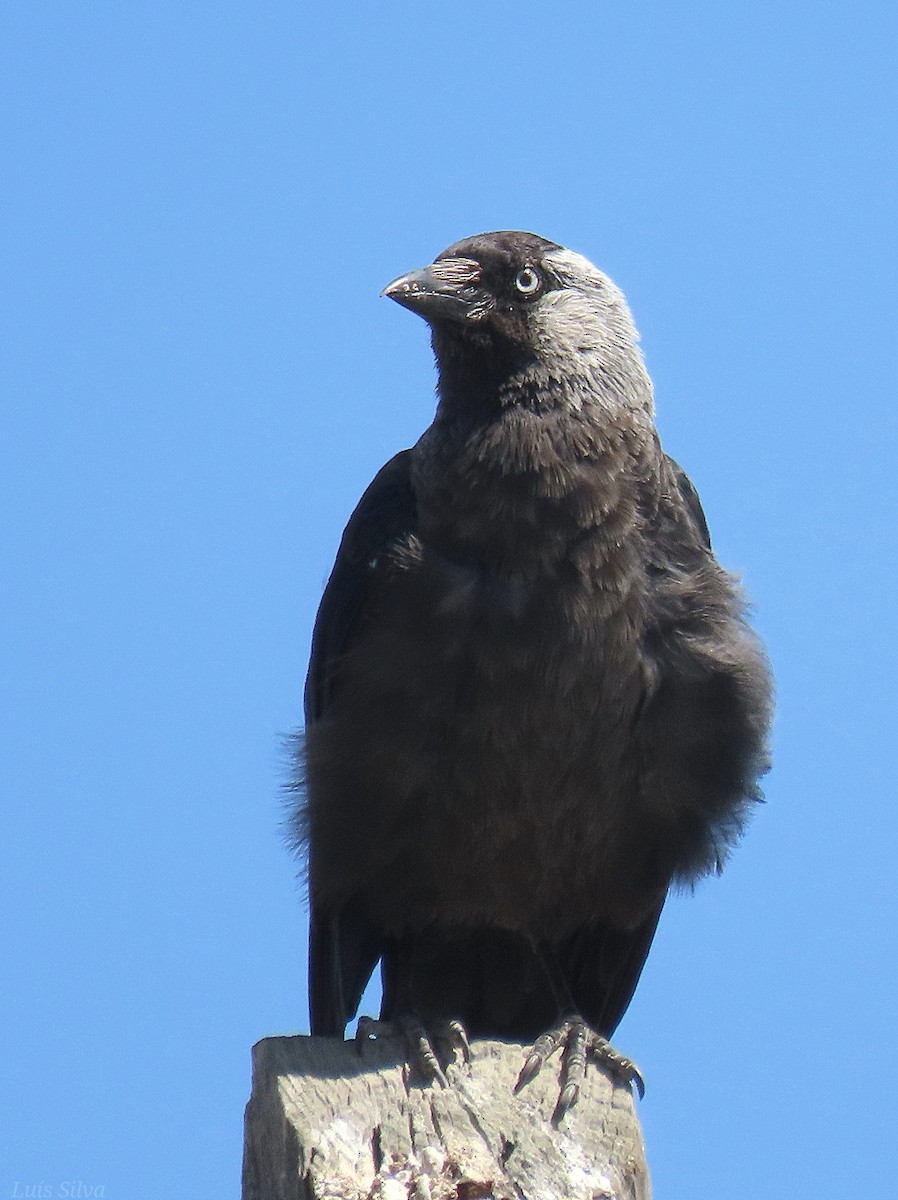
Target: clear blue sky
[{"x": 200, "y": 204}]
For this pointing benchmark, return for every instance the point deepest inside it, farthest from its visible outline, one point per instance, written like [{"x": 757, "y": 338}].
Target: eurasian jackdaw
[{"x": 533, "y": 703}]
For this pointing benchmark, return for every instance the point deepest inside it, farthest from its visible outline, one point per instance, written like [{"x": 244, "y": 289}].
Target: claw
[
  {"x": 422, "y": 1052},
  {"x": 566, "y": 1101},
  {"x": 573, "y": 1067},
  {"x": 456, "y": 1036},
  {"x": 420, "y": 1042},
  {"x": 623, "y": 1068},
  {"x": 530, "y": 1070},
  {"x": 579, "y": 1043}
]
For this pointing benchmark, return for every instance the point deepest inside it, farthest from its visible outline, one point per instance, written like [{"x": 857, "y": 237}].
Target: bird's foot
[
  {"x": 422, "y": 1043},
  {"x": 579, "y": 1043}
]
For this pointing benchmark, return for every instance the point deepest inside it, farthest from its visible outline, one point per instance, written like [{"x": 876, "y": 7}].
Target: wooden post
[{"x": 328, "y": 1120}]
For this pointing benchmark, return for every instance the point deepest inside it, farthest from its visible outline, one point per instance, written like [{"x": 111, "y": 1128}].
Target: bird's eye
[{"x": 527, "y": 281}]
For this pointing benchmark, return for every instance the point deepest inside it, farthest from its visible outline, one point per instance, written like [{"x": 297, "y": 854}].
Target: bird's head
[{"x": 511, "y": 306}]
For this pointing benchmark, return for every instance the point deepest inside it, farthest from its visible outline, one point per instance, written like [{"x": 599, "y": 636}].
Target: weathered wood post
[{"x": 330, "y": 1120}]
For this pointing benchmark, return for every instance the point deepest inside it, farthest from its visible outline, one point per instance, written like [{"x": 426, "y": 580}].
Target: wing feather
[{"x": 342, "y": 950}]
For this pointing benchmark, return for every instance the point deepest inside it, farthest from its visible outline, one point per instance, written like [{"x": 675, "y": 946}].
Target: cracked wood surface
[{"x": 327, "y": 1121}]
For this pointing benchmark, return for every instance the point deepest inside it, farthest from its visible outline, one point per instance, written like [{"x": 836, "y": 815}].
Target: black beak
[{"x": 445, "y": 291}]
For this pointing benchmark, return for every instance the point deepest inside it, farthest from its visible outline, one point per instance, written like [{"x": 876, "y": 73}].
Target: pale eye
[{"x": 527, "y": 281}]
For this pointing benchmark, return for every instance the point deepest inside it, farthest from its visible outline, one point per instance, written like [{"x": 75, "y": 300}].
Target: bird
[{"x": 534, "y": 702}]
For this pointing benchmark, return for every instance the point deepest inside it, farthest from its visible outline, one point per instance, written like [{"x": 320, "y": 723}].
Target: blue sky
[{"x": 200, "y": 205}]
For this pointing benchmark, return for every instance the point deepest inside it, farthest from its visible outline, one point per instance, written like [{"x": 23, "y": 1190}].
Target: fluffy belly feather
[{"x": 520, "y": 755}]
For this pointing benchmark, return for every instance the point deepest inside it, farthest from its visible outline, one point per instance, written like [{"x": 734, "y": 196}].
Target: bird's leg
[
  {"x": 579, "y": 1043},
  {"x": 421, "y": 1042}
]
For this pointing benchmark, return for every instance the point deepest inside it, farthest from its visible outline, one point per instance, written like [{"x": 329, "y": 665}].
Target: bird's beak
[{"x": 447, "y": 290}]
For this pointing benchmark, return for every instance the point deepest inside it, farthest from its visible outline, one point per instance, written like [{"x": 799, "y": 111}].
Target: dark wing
[
  {"x": 342, "y": 950},
  {"x": 384, "y": 514},
  {"x": 689, "y": 496},
  {"x": 602, "y": 967}
]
